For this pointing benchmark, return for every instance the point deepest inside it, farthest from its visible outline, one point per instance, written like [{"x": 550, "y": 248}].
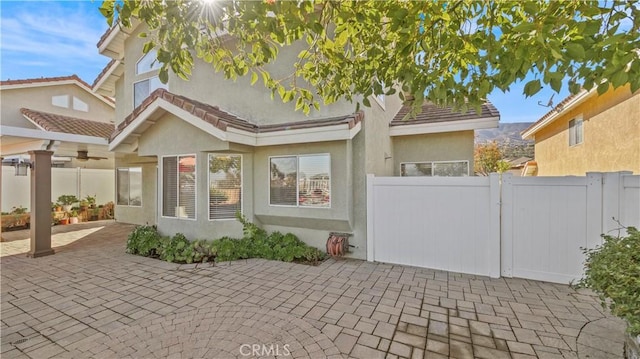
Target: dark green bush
[
  {"x": 144, "y": 240},
  {"x": 613, "y": 272},
  {"x": 256, "y": 243}
]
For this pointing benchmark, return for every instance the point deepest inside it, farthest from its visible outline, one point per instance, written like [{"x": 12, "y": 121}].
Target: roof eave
[
  {"x": 444, "y": 126},
  {"x": 59, "y": 83},
  {"x": 559, "y": 110}
]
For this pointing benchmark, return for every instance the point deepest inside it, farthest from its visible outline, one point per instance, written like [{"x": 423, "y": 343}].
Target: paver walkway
[{"x": 91, "y": 299}]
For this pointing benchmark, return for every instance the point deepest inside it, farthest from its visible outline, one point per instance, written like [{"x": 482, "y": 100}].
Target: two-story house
[
  {"x": 587, "y": 132},
  {"x": 203, "y": 149}
]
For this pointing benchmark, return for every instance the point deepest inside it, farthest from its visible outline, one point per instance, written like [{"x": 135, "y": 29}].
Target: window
[
  {"x": 435, "y": 168},
  {"x": 60, "y": 101},
  {"x": 147, "y": 63},
  {"x": 576, "y": 133},
  {"x": 142, "y": 89},
  {"x": 179, "y": 186},
  {"x": 380, "y": 96},
  {"x": 129, "y": 186},
  {"x": 303, "y": 181},
  {"x": 225, "y": 186},
  {"x": 80, "y": 105}
]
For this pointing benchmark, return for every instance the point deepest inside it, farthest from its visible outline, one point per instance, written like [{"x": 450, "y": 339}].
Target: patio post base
[{"x": 42, "y": 253}]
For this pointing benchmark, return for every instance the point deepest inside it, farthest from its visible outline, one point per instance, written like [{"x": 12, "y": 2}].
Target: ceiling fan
[{"x": 84, "y": 156}]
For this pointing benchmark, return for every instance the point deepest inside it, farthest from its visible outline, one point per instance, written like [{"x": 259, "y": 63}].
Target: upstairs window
[
  {"x": 142, "y": 89},
  {"x": 435, "y": 168},
  {"x": 60, "y": 101},
  {"x": 576, "y": 133},
  {"x": 179, "y": 186},
  {"x": 225, "y": 186},
  {"x": 147, "y": 63},
  {"x": 303, "y": 181},
  {"x": 80, "y": 105}
]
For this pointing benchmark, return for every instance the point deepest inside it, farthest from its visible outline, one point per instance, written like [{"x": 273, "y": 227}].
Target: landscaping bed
[{"x": 256, "y": 243}]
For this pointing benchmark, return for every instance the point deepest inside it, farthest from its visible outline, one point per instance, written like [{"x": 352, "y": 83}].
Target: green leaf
[
  {"x": 254, "y": 78},
  {"x": 603, "y": 87},
  {"x": 532, "y": 87},
  {"x": 575, "y": 51}
]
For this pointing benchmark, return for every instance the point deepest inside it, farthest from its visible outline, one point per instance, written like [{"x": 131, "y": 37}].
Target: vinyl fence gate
[{"x": 526, "y": 227}]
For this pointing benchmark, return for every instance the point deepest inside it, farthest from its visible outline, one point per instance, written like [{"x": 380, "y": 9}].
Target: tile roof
[
  {"x": 432, "y": 114},
  {"x": 102, "y": 73},
  {"x": 44, "y": 79},
  {"x": 65, "y": 124},
  {"x": 559, "y": 107},
  {"x": 106, "y": 34},
  {"x": 222, "y": 120}
]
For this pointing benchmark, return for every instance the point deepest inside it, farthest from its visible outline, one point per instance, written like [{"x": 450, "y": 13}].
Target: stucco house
[
  {"x": 587, "y": 132},
  {"x": 208, "y": 147},
  {"x": 59, "y": 113}
]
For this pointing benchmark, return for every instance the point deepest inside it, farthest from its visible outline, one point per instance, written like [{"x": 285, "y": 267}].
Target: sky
[{"x": 58, "y": 38}]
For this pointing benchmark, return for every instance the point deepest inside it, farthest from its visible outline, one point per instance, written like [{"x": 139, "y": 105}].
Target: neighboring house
[
  {"x": 588, "y": 132},
  {"x": 197, "y": 151},
  {"x": 58, "y": 114},
  {"x": 62, "y": 114}
]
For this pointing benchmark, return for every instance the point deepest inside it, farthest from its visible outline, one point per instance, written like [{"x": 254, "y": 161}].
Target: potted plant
[
  {"x": 91, "y": 200},
  {"x": 612, "y": 270},
  {"x": 94, "y": 214},
  {"x": 74, "y": 217},
  {"x": 67, "y": 200}
]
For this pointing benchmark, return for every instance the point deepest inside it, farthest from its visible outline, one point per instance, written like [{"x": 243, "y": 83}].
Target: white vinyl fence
[
  {"x": 528, "y": 227},
  {"x": 76, "y": 181}
]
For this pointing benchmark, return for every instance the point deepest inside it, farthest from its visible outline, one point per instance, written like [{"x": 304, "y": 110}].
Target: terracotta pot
[{"x": 64, "y": 221}]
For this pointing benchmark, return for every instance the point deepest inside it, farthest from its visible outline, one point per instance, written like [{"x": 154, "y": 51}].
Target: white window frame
[
  {"x": 129, "y": 186},
  {"x": 61, "y": 101},
  {"x": 195, "y": 213},
  {"x": 152, "y": 68},
  {"x": 133, "y": 89},
  {"x": 380, "y": 98},
  {"x": 432, "y": 166},
  {"x": 79, "y": 105},
  {"x": 209, "y": 183},
  {"x": 573, "y": 138},
  {"x": 297, "y": 205}
]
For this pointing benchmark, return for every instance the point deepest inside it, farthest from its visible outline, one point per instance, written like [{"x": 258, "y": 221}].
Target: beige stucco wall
[
  {"x": 611, "y": 137},
  {"x": 145, "y": 214},
  {"x": 39, "y": 99},
  {"x": 207, "y": 86},
  {"x": 445, "y": 146}
]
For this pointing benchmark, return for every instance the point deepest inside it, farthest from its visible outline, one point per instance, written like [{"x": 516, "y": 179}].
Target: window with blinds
[
  {"x": 303, "y": 181},
  {"x": 129, "y": 186},
  {"x": 225, "y": 186},
  {"x": 179, "y": 186}
]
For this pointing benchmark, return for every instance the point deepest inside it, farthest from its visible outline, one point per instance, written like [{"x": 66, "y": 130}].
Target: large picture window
[
  {"x": 576, "y": 133},
  {"x": 129, "y": 186},
  {"x": 225, "y": 186},
  {"x": 303, "y": 180},
  {"x": 179, "y": 186},
  {"x": 435, "y": 168}
]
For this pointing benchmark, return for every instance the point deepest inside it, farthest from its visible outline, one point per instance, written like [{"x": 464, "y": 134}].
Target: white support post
[
  {"x": 506, "y": 225},
  {"x": 370, "y": 218},
  {"x": 594, "y": 209},
  {"x": 494, "y": 226}
]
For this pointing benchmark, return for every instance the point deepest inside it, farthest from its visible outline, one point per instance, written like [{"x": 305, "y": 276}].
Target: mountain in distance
[
  {"x": 506, "y": 132},
  {"x": 508, "y": 138}
]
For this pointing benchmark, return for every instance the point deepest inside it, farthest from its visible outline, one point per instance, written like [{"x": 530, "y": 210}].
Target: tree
[
  {"x": 451, "y": 53},
  {"x": 487, "y": 158}
]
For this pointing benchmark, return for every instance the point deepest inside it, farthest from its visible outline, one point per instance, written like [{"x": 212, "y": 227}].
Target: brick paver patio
[{"x": 91, "y": 299}]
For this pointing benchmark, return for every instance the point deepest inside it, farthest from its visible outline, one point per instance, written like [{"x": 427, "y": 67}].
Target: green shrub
[
  {"x": 613, "y": 272},
  {"x": 144, "y": 240},
  {"x": 256, "y": 243}
]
